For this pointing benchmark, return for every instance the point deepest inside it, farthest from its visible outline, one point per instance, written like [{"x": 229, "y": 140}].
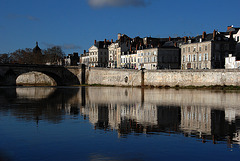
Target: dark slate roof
[
  {"x": 168, "y": 44},
  {"x": 102, "y": 45},
  {"x": 233, "y": 29},
  {"x": 209, "y": 37}
]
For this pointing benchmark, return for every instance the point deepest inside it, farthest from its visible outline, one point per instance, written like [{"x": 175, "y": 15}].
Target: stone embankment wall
[
  {"x": 116, "y": 77},
  {"x": 192, "y": 77},
  {"x": 124, "y": 77}
]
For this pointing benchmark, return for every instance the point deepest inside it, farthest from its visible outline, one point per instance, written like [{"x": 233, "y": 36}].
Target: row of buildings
[{"x": 206, "y": 51}]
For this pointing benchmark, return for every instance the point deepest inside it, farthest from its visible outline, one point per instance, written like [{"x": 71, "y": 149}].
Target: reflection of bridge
[
  {"x": 34, "y": 104},
  {"x": 61, "y": 75}
]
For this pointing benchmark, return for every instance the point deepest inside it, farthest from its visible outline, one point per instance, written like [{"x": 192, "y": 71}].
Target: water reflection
[
  {"x": 35, "y": 104},
  {"x": 207, "y": 115},
  {"x": 34, "y": 93}
]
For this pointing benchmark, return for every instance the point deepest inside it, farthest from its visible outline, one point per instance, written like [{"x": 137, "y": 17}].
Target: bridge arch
[
  {"x": 35, "y": 79},
  {"x": 61, "y": 75}
]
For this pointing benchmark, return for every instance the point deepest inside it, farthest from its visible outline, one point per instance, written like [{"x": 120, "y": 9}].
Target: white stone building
[
  {"x": 231, "y": 63},
  {"x": 84, "y": 58},
  {"x": 98, "y": 54},
  {"x": 147, "y": 58},
  {"x": 129, "y": 61}
]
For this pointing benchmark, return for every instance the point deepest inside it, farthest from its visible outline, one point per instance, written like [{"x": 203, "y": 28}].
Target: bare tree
[
  {"x": 4, "y": 58},
  {"x": 53, "y": 55}
]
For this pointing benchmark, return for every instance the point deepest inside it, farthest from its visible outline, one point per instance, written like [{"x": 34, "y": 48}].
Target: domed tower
[
  {"x": 37, "y": 49},
  {"x": 37, "y": 55}
]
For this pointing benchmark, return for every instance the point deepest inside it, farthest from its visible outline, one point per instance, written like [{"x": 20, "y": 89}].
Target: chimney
[
  {"x": 229, "y": 27},
  {"x": 185, "y": 39},
  {"x": 105, "y": 41},
  {"x": 169, "y": 39},
  {"x": 214, "y": 35},
  {"x": 95, "y": 41},
  {"x": 175, "y": 44},
  {"x": 204, "y": 35},
  {"x": 111, "y": 40},
  {"x": 84, "y": 51}
]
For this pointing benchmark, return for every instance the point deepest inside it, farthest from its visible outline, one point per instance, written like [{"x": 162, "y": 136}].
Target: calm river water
[{"x": 111, "y": 123}]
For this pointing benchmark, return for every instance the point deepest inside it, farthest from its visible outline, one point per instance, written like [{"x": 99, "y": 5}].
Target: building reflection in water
[
  {"x": 208, "y": 115},
  {"x": 162, "y": 112}
]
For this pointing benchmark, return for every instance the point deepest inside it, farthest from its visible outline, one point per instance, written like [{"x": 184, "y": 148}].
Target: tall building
[
  {"x": 158, "y": 58},
  {"x": 98, "y": 54},
  {"x": 235, "y": 31},
  {"x": 207, "y": 51}
]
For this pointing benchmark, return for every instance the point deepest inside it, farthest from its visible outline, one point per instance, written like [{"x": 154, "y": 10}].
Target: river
[{"x": 115, "y": 123}]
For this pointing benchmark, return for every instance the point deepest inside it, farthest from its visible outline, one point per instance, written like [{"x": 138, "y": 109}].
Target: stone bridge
[{"x": 63, "y": 76}]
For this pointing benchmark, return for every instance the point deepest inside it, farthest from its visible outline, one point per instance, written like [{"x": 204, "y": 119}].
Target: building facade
[
  {"x": 71, "y": 60},
  {"x": 158, "y": 58},
  {"x": 235, "y": 31},
  {"x": 84, "y": 58},
  {"x": 207, "y": 51},
  {"x": 129, "y": 61},
  {"x": 98, "y": 54}
]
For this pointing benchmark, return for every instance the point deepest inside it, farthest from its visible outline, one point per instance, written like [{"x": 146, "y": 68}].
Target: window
[
  {"x": 189, "y": 58},
  {"x": 155, "y": 53},
  {"x": 184, "y": 59},
  {"x": 206, "y": 56},
  {"x": 237, "y": 38},
  {"x": 200, "y": 57},
  {"x": 200, "y": 48},
  {"x": 183, "y": 50},
  {"x": 188, "y": 49},
  {"x": 152, "y": 59},
  {"x": 206, "y": 48},
  {"x": 194, "y": 57}
]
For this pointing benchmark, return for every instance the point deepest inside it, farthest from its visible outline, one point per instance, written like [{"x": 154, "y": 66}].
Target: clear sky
[{"x": 75, "y": 24}]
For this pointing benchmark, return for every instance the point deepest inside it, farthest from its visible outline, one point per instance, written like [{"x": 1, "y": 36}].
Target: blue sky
[{"x": 75, "y": 24}]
